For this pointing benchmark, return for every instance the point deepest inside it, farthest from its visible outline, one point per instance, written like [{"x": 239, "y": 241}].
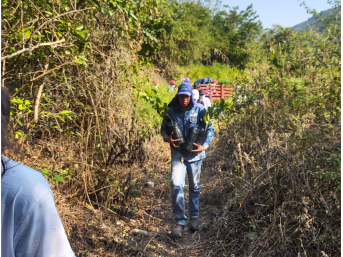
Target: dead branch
[
  {"x": 140, "y": 231},
  {"x": 49, "y": 71},
  {"x": 222, "y": 55},
  {"x": 39, "y": 94},
  {"x": 31, "y": 48}
]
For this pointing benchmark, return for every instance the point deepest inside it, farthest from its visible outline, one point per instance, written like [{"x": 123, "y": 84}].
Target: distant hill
[{"x": 313, "y": 22}]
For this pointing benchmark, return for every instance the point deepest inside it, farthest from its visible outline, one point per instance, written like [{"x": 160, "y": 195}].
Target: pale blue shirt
[{"x": 30, "y": 225}]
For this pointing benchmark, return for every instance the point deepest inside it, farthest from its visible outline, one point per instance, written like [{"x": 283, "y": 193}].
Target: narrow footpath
[
  {"x": 146, "y": 229},
  {"x": 157, "y": 218}
]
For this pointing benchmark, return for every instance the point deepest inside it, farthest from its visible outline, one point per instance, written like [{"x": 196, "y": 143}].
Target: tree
[
  {"x": 183, "y": 37},
  {"x": 232, "y": 32}
]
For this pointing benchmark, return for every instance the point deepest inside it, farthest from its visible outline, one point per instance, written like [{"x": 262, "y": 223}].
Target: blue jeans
[{"x": 178, "y": 175}]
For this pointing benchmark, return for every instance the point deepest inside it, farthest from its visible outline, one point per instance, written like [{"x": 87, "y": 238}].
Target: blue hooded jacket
[{"x": 192, "y": 117}]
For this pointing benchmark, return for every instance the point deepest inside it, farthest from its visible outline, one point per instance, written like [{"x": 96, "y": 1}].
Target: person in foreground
[
  {"x": 30, "y": 225},
  {"x": 184, "y": 111}
]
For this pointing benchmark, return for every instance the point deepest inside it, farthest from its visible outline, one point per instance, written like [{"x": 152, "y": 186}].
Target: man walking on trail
[
  {"x": 202, "y": 81},
  {"x": 187, "y": 114}
]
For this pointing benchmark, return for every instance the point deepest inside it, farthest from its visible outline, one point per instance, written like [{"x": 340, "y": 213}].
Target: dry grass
[{"x": 271, "y": 204}]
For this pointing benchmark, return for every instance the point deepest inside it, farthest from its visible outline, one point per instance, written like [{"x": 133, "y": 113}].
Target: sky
[{"x": 286, "y": 13}]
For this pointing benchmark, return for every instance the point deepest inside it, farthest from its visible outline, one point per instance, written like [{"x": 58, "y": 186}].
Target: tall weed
[{"x": 279, "y": 156}]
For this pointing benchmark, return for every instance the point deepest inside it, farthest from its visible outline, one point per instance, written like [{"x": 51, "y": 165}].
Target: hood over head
[{"x": 183, "y": 89}]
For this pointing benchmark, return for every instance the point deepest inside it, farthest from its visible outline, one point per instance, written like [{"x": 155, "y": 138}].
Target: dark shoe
[
  {"x": 177, "y": 230},
  {"x": 195, "y": 224}
]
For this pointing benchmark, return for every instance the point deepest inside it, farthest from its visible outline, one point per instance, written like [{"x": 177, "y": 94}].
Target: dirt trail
[
  {"x": 158, "y": 219},
  {"x": 145, "y": 230}
]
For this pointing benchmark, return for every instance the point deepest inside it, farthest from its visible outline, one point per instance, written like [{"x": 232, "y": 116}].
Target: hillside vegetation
[
  {"x": 316, "y": 21},
  {"x": 86, "y": 115}
]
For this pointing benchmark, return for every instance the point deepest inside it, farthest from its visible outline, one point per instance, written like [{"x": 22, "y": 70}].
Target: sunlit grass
[{"x": 224, "y": 74}]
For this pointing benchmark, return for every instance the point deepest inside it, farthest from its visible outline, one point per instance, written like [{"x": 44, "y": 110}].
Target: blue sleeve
[
  {"x": 210, "y": 134},
  {"x": 41, "y": 233},
  {"x": 30, "y": 224},
  {"x": 163, "y": 131}
]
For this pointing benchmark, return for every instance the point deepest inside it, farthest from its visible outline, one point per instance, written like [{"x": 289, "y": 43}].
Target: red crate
[{"x": 216, "y": 92}]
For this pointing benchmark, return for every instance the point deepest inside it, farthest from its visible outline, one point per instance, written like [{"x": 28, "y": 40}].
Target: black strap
[{"x": 3, "y": 167}]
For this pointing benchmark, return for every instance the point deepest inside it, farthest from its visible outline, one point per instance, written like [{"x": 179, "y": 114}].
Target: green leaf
[
  {"x": 133, "y": 16},
  {"x": 79, "y": 27},
  {"x": 78, "y": 134},
  {"x": 210, "y": 111},
  {"x": 113, "y": 3},
  {"x": 82, "y": 33},
  {"x": 83, "y": 58},
  {"x": 66, "y": 112},
  {"x": 57, "y": 128},
  {"x": 58, "y": 178},
  {"x": 147, "y": 33},
  {"x": 19, "y": 134},
  {"x": 57, "y": 116},
  {"x": 45, "y": 172},
  {"x": 17, "y": 100}
]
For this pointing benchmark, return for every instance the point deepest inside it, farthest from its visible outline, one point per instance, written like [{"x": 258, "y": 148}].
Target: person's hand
[
  {"x": 172, "y": 141},
  {"x": 199, "y": 149}
]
